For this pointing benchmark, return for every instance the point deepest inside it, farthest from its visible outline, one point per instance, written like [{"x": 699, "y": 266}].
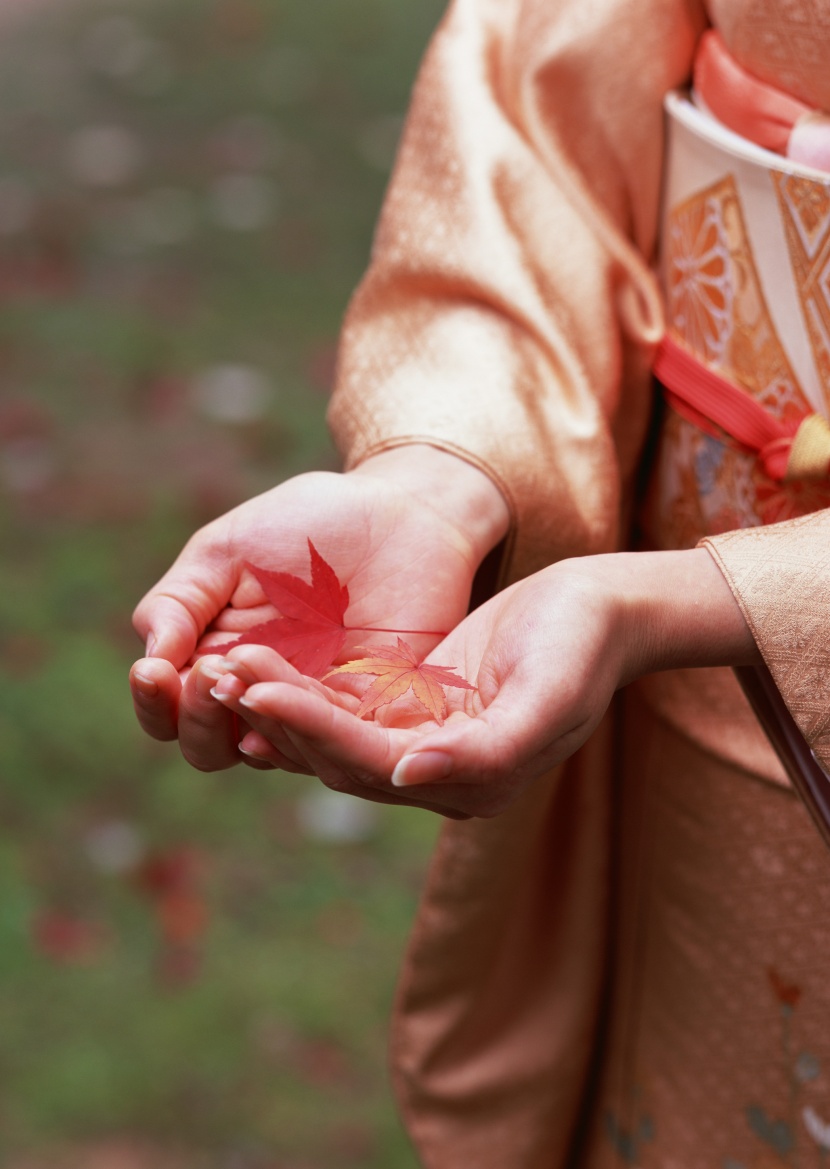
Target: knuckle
[
  {"x": 366, "y": 779},
  {"x": 157, "y": 725},
  {"x": 198, "y": 763},
  {"x": 341, "y": 784},
  {"x": 209, "y": 757},
  {"x": 349, "y": 782},
  {"x": 163, "y": 733},
  {"x": 202, "y": 718},
  {"x": 294, "y": 768}
]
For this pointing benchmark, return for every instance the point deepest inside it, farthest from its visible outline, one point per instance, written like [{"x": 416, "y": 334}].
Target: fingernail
[
  {"x": 211, "y": 670},
  {"x": 253, "y": 755},
  {"x": 238, "y": 669},
  {"x": 207, "y": 677},
  {"x": 152, "y": 642},
  {"x": 220, "y": 695},
  {"x": 251, "y": 703},
  {"x": 145, "y": 686},
  {"x": 422, "y": 767}
]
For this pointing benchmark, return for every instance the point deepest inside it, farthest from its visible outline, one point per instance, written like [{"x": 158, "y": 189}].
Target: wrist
[
  {"x": 458, "y": 491},
  {"x": 673, "y": 610}
]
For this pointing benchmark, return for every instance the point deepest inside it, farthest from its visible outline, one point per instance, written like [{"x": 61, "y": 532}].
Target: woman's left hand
[{"x": 546, "y": 656}]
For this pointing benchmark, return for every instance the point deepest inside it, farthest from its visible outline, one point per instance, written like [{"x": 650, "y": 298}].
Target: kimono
[{"x": 628, "y": 966}]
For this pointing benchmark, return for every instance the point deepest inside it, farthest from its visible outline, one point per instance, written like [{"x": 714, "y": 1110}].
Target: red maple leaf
[
  {"x": 398, "y": 670},
  {"x": 172, "y": 881},
  {"x": 65, "y": 938},
  {"x": 310, "y": 632},
  {"x": 167, "y": 872}
]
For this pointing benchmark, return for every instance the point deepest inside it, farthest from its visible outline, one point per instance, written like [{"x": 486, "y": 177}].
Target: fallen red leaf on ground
[
  {"x": 165, "y": 871},
  {"x": 66, "y": 939},
  {"x": 172, "y": 881},
  {"x": 183, "y": 916}
]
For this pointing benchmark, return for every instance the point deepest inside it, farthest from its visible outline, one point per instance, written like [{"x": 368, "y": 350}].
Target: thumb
[
  {"x": 167, "y": 628},
  {"x": 172, "y": 616},
  {"x": 509, "y": 735},
  {"x": 474, "y": 751}
]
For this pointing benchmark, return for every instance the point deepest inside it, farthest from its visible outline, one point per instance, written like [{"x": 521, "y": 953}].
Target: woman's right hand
[{"x": 405, "y": 531}]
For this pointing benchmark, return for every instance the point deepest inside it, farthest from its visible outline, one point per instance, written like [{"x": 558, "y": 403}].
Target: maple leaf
[
  {"x": 310, "y": 632},
  {"x": 62, "y": 937},
  {"x": 398, "y": 670}
]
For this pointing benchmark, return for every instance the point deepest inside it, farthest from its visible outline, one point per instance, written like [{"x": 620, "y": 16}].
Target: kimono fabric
[{"x": 628, "y": 966}]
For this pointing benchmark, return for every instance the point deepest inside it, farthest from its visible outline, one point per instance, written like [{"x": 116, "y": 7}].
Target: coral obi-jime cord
[{"x": 745, "y": 265}]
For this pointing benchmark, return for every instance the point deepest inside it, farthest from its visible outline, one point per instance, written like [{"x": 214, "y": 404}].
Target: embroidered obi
[{"x": 745, "y": 267}]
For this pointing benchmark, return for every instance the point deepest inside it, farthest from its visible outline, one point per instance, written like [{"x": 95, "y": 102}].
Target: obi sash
[
  {"x": 745, "y": 267},
  {"x": 744, "y": 441}
]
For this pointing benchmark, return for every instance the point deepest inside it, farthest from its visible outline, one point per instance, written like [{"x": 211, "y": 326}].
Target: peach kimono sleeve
[
  {"x": 508, "y": 316},
  {"x": 780, "y": 576},
  {"x": 509, "y": 311}
]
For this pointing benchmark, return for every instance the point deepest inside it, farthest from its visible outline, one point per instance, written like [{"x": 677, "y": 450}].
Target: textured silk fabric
[
  {"x": 500, "y": 1000},
  {"x": 718, "y": 1048},
  {"x": 792, "y": 561},
  {"x": 526, "y": 188},
  {"x": 783, "y": 42},
  {"x": 515, "y": 203},
  {"x": 508, "y": 316}
]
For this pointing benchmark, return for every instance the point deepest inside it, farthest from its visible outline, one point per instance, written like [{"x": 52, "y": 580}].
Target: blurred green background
[{"x": 195, "y": 970}]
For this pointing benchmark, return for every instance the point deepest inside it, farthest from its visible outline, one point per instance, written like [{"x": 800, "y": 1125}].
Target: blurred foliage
[{"x": 200, "y": 966}]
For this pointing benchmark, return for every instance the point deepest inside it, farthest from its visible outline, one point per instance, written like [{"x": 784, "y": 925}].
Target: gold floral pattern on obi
[
  {"x": 699, "y": 279},
  {"x": 749, "y": 349},
  {"x": 805, "y": 211},
  {"x": 702, "y": 485}
]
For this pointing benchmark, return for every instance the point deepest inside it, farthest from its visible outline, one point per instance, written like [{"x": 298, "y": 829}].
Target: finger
[
  {"x": 338, "y": 780},
  {"x": 156, "y": 688},
  {"x": 258, "y": 764},
  {"x": 343, "y": 751},
  {"x": 259, "y": 663},
  {"x": 374, "y": 795},
  {"x": 254, "y": 664},
  {"x": 361, "y": 749},
  {"x": 239, "y": 620},
  {"x": 228, "y": 690},
  {"x": 511, "y": 742},
  {"x": 168, "y": 628},
  {"x": 172, "y": 616},
  {"x": 209, "y": 733},
  {"x": 259, "y": 751},
  {"x": 346, "y": 753}
]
